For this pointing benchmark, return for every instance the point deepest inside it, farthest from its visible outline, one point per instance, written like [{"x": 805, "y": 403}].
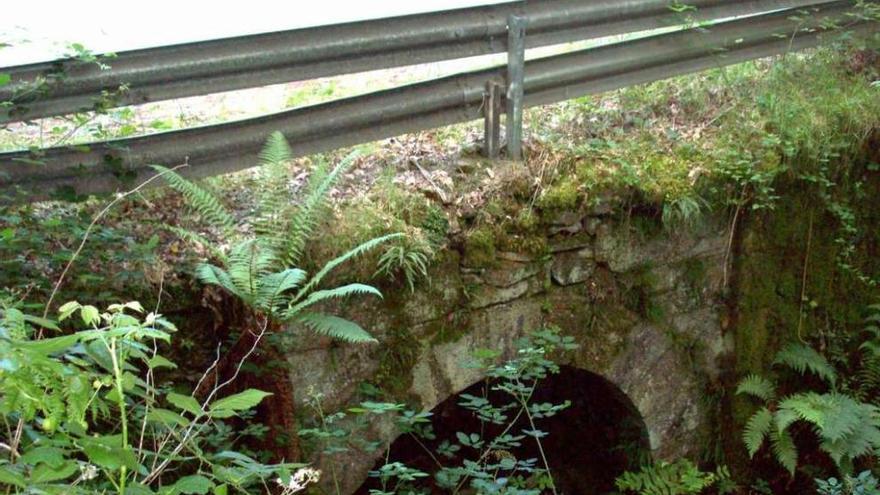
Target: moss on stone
[
  {"x": 399, "y": 354},
  {"x": 479, "y": 248},
  {"x": 564, "y": 195}
]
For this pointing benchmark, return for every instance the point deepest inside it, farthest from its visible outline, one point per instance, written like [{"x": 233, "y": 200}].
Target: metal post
[
  {"x": 516, "y": 52},
  {"x": 492, "y": 119}
]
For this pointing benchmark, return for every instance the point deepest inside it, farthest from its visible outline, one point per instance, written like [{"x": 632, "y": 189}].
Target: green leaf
[
  {"x": 48, "y": 455},
  {"x": 107, "y": 452},
  {"x": 166, "y": 417},
  {"x": 194, "y": 484},
  {"x": 67, "y": 309},
  {"x": 784, "y": 449},
  {"x": 138, "y": 489},
  {"x": 42, "y": 322},
  {"x": 221, "y": 490},
  {"x": 50, "y": 346},
  {"x": 90, "y": 315},
  {"x": 10, "y": 477},
  {"x": 5, "y": 78},
  {"x": 160, "y": 362},
  {"x": 45, "y": 473},
  {"x": 243, "y": 401},
  {"x": 185, "y": 402},
  {"x": 803, "y": 358}
]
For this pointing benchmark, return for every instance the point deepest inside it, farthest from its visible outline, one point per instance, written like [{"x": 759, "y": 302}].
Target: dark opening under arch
[{"x": 588, "y": 445}]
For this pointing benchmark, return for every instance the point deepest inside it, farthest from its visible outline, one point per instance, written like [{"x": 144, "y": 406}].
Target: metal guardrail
[
  {"x": 232, "y": 146},
  {"x": 220, "y": 65}
]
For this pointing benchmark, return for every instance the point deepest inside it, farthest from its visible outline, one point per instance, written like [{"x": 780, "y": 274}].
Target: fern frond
[
  {"x": 274, "y": 285},
  {"x": 191, "y": 237},
  {"x": 864, "y": 440},
  {"x": 757, "y": 428},
  {"x": 318, "y": 296},
  {"x": 784, "y": 449},
  {"x": 274, "y": 198},
  {"x": 869, "y": 375},
  {"x": 305, "y": 219},
  {"x": 332, "y": 264},
  {"x": 785, "y": 418},
  {"x": 248, "y": 263},
  {"x": 757, "y": 386},
  {"x": 803, "y": 358},
  {"x": 834, "y": 415},
  {"x": 200, "y": 200},
  {"x": 214, "y": 275},
  {"x": 411, "y": 260},
  {"x": 679, "y": 478},
  {"x": 276, "y": 152},
  {"x": 336, "y": 327}
]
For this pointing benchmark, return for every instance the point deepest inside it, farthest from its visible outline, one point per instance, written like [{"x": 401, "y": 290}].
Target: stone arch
[{"x": 588, "y": 445}]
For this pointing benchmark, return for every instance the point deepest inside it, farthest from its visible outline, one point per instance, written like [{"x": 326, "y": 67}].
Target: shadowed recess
[{"x": 588, "y": 445}]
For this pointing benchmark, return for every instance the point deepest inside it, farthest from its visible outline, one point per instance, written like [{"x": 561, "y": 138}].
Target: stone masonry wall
[{"x": 641, "y": 302}]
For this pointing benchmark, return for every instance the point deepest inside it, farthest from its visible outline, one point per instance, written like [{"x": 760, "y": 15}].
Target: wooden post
[{"x": 492, "y": 120}]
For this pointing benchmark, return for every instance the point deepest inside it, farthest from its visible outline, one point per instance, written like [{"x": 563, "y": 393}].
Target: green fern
[
  {"x": 757, "y": 429},
  {"x": 845, "y": 427},
  {"x": 274, "y": 196},
  {"x": 335, "y": 327},
  {"x": 304, "y": 219},
  {"x": 332, "y": 264},
  {"x": 784, "y": 450},
  {"x": 868, "y": 374},
  {"x": 679, "y": 478},
  {"x": 757, "y": 386},
  {"x": 260, "y": 269},
  {"x": 409, "y": 258},
  {"x": 202, "y": 201},
  {"x": 803, "y": 358}
]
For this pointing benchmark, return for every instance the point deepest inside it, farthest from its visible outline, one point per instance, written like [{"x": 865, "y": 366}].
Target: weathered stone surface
[
  {"x": 566, "y": 218},
  {"x": 433, "y": 302},
  {"x": 319, "y": 370},
  {"x": 664, "y": 390},
  {"x": 442, "y": 370},
  {"x": 591, "y": 225},
  {"x": 561, "y": 243},
  {"x": 486, "y": 295},
  {"x": 659, "y": 365},
  {"x": 566, "y": 229},
  {"x": 572, "y": 267},
  {"x": 508, "y": 273},
  {"x": 517, "y": 257}
]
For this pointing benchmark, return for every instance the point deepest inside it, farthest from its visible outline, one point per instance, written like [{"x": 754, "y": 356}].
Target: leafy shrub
[
  {"x": 92, "y": 416},
  {"x": 260, "y": 268},
  {"x": 681, "y": 477},
  {"x": 863, "y": 484},
  {"x": 846, "y": 428}
]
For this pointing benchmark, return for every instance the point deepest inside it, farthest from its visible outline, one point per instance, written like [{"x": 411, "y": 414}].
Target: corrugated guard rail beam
[
  {"x": 251, "y": 61},
  {"x": 233, "y": 146}
]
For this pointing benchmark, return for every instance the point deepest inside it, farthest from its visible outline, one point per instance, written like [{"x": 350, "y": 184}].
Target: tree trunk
[{"x": 270, "y": 375}]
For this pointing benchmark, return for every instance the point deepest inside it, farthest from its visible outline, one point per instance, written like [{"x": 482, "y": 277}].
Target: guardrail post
[
  {"x": 516, "y": 33},
  {"x": 492, "y": 119}
]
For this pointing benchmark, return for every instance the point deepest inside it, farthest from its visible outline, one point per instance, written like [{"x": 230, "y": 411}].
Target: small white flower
[
  {"x": 87, "y": 472},
  {"x": 299, "y": 480}
]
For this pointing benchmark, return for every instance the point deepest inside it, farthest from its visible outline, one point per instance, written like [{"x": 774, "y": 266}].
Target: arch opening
[{"x": 589, "y": 444}]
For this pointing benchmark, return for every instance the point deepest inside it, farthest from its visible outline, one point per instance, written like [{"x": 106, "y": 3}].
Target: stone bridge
[{"x": 642, "y": 303}]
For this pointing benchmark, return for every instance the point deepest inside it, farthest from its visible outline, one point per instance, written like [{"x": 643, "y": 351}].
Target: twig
[
  {"x": 85, "y": 238},
  {"x": 804, "y": 280},
  {"x": 189, "y": 431},
  {"x": 730, "y": 240}
]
